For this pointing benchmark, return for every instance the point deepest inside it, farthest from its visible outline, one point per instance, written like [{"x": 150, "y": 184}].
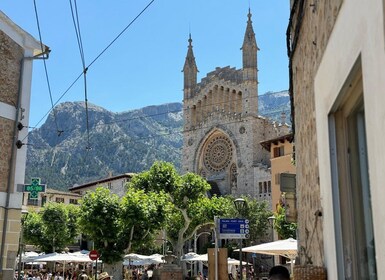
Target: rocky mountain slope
[{"x": 114, "y": 142}]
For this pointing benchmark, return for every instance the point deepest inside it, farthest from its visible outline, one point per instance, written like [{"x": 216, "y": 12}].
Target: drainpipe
[{"x": 13, "y": 154}]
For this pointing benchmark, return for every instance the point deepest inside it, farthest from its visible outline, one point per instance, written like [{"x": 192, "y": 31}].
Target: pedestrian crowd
[{"x": 68, "y": 275}]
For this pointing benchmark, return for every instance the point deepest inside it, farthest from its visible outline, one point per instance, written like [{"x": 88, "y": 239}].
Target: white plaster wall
[{"x": 359, "y": 29}]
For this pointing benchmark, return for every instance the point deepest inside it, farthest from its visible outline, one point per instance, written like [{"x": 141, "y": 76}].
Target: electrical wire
[
  {"x": 171, "y": 112},
  {"x": 59, "y": 132},
  {"x": 93, "y": 61},
  {"x": 175, "y": 131},
  {"x": 81, "y": 50},
  {"x": 95, "y": 125},
  {"x": 124, "y": 30}
]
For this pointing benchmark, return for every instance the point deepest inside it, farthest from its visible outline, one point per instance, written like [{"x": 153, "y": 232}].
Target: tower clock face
[{"x": 218, "y": 153}]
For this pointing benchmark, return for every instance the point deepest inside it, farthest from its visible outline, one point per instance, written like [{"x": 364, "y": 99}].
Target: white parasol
[{"x": 286, "y": 248}]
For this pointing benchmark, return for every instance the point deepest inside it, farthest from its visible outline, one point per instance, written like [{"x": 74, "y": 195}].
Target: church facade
[{"x": 222, "y": 128}]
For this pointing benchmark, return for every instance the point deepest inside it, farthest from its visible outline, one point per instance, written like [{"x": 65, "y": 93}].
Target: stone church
[{"x": 222, "y": 128}]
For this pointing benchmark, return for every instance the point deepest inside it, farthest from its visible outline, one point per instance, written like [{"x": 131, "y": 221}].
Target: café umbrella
[
  {"x": 286, "y": 248},
  {"x": 62, "y": 258}
]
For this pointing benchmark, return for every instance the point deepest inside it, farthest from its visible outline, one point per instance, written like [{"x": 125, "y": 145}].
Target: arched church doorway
[{"x": 214, "y": 189}]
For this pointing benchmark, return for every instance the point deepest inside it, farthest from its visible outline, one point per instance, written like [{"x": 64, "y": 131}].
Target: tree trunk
[
  {"x": 115, "y": 270},
  {"x": 178, "y": 251}
]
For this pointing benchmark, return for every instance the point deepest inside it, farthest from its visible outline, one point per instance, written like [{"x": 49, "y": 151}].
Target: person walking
[
  {"x": 104, "y": 276},
  {"x": 279, "y": 272}
]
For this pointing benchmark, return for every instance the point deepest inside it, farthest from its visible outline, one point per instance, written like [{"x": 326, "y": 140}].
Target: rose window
[{"x": 218, "y": 153}]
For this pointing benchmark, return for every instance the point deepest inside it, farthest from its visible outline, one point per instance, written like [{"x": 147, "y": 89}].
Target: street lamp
[
  {"x": 240, "y": 205},
  {"x": 271, "y": 222},
  {"x": 25, "y": 214}
]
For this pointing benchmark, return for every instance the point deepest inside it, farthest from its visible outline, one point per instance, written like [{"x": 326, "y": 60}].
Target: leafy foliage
[
  {"x": 284, "y": 229},
  {"x": 188, "y": 206},
  {"x": 53, "y": 228},
  {"x": 99, "y": 220},
  {"x": 116, "y": 225},
  {"x": 257, "y": 212}
]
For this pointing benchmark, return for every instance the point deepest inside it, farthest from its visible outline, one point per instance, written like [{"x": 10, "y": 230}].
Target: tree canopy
[
  {"x": 284, "y": 228},
  {"x": 116, "y": 225},
  {"x": 53, "y": 228},
  {"x": 189, "y": 207}
]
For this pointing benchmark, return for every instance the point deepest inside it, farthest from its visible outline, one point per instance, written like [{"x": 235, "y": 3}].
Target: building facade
[
  {"x": 50, "y": 195},
  {"x": 222, "y": 128},
  {"x": 116, "y": 184},
  {"x": 282, "y": 162},
  {"x": 337, "y": 67},
  {"x": 17, "y": 51}
]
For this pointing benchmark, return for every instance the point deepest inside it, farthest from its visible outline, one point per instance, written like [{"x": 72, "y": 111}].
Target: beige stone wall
[
  {"x": 11, "y": 55},
  {"x": 10, "y": 58},
  {"x": 314, "y": 31},
  {"x": 245, "y": 133},
  {"x": 12, "y": 237},
  {"x": 6, "y": 132}
]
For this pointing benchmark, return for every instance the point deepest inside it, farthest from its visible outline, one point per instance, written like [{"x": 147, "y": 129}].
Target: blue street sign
[{"x": 233, "y": 229}]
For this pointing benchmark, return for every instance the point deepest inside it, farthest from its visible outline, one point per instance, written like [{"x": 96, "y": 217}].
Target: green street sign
[{"x": 34, "y": 188}]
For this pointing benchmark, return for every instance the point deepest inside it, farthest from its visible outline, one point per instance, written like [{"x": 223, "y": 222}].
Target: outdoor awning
[{"x": 286, "y": 248}]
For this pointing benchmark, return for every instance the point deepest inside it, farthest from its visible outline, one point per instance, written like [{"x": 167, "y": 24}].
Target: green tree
[
  {"x": 257, "y": 212},
  {"x": 99, "y": 221},
  {"x": 143, "y": 215},
  {"x": 189, "y": 207},
  {"x": 116, "y": 225},
  {"x": 53, "y": 228},
  {"x": 284, "y": 229}
]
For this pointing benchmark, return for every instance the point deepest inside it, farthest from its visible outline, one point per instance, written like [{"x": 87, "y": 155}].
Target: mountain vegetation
[{"x": 73, "y": 147}]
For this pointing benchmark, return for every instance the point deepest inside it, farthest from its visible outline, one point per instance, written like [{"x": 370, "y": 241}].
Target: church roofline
[
  {"x": 101, "y": 181},
  {"x": 281, "y": 139}
]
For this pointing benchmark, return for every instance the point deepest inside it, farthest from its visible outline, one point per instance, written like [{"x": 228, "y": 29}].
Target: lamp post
[
  {"x": 271, "y": 222},
  {"x": 23, "y": 213},
  {"x": 240, "y": 205}
]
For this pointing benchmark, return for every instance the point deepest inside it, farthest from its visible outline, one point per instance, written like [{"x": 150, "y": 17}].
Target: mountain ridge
[{"x": 116, "y": 143}]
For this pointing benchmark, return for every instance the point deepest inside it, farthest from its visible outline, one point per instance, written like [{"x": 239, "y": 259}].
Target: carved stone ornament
[
  {"x": 218, "y": 153},
  {"x": 190, "y": 141}
]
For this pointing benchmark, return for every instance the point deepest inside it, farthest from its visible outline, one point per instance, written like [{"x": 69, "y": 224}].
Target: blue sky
[{"x": 143, "y": 67}]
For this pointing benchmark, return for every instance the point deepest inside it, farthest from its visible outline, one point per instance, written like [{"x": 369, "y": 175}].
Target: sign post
[
  {"x": 94, "y": 256},
  {"x": 34, "y": 188},
  {"x": 235, "y": 229}
]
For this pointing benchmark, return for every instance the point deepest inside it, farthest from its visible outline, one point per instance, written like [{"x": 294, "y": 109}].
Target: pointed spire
[
  {"x": 250, "y": 68},
  {"x": 249, "y": 47},
  {"x": 249, "y": 39},
  {"x": 190, "y": 59},
  {"x": 190, "y": 68}
]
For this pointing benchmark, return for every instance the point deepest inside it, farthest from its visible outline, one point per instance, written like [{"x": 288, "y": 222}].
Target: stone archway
[{"x": 214, "y": 189}]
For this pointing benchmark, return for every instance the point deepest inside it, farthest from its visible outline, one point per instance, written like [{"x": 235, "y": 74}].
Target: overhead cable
[
  {"x": 81, "y": 50},
  {"x": 93, "y": 61},
  {"x": 59, "y": 132}
]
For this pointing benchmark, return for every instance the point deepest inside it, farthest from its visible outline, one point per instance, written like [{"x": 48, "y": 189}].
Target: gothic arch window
[
  {"x": 214, "y": 189},
  {"x": 218, "y": 153}
]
